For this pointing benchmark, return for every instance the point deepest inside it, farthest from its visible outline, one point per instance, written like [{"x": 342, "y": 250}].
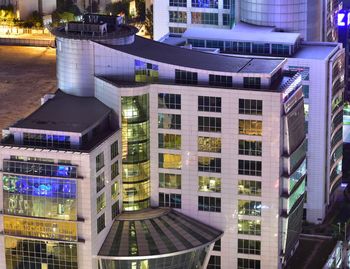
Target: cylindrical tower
[
  {"x": 75, "y": 50},
  {"x": 290, "y": 16}
]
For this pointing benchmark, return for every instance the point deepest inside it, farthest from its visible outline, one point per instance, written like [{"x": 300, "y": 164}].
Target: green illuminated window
[
  {"x": 170, "y": 181},
  {"x": 209, "y": 184},
  {"x": 101, "y": 202},
  {"x": 249, "y": 187},
  {"x": 115, "y": 190},
  {"x": 249, "y": 208},
  {"x": 209, "y": 144},
  {"x": 169, "y": 141},
  {"x": 209, "y": 164},
  {"x": 250, "y": 227}
]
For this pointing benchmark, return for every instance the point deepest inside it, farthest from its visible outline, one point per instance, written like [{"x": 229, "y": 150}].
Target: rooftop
[
  {"x": 164, "y": 53},
  {"x": 244, "y": 33},
  {"x": 66, "y": 113},
  {"x": 315, "y": 50},
  {"x": 157, "y": 232}
]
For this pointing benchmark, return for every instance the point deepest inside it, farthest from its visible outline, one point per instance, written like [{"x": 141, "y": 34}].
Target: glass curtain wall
[{"x": 136, "y": 157}]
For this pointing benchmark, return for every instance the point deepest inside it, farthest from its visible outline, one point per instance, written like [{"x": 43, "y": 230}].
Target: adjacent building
[
  {"x": 25, "y": 8},
  {"x": 210, "y": 149}
]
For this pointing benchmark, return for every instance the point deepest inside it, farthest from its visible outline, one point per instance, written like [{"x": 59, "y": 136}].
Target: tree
[
  {"x": 119, "y": 8},
  {"x": 141, "y": 10},
  {"x": 67, "y": 6},
  {"x": 149, "y": 21}
]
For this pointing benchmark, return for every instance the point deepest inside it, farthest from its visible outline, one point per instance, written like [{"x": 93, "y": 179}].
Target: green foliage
[
  {"x": 35, "y": 20},
  {"x": 149, "y": 21},
  {"x": 67, "y": 6},
  {"x": 7, "y": 15}
]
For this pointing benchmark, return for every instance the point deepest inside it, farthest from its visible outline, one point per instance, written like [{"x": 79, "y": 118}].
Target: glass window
[
  {"x": 44, "y": 140},
  {"x": 169, "y": 161},
  {"x": 169, "y": 200},
  {"x": 209, "y": 164},
  {"x": 249, "y": 208},
  {"x": 101, "y": 223},
  {"x": 115, "y": 190},
  {"x": 178, "y": 3},
  {"x": 222, "y": 81},
  {"x": 261, "y": 48},
  {"x": 252, "y": 82},
  {"x": 212, "y": 204},
  {"x": 205, "y": 3},
  {"x": 114, "y": 170},
  {"x": 306, "y": 89},
  {"x": 248, "y": 264},
  {"x": 227, "y": 4},
  {"x": 280, "y": 50},
  {"x": 249, "y": 168},
  {"x": 205, "y": 18},
  {"x": 100, "y": 182},
  {"x": 226, "y": 19},
  {"x": 101, "y": 202},
  {"x": 170, "y": 101},
  {"x": 176, "y": 31},
  {"x": 114, "y": 150},
  {"x": 249, "y": 246},
  {"x": 250, "y": 127},
  {"x": 250, "y": 227},
  {"x": 250, "y": 107},
  {"x": 170, "y": 181},
  {"x": 209, "y": 184},
  {"x": 186, "y": 77},
  {"x": 169, "y": 121},
  {"x": 209, "y": 144},
  {"x": 209, "y": 124},
  {"x": 115, "y": 209},
  {"x": 178, "y": 16},
  {"x": 100, "y": 161},
  {"x": 217, "y": 245},
  {"x": 214, "y": 262},
  {"x": 146, "y": 72},
  {"x": 196, "y": 43},
  {"x": 249, "y": 147},
  {"x": 209, "y": 103},
  {"x": 169, "y": 141},
  {"x": 249, "y": 187}
]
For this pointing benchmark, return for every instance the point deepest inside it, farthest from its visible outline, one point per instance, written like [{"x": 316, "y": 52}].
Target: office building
[
  {"x": 210, "y": 149},
  {"x": 25, "y": 8},
  {"x": 322, "y": 66}
]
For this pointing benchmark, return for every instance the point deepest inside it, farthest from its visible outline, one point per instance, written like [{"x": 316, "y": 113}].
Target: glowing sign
[{"x": 343, "y": 19}]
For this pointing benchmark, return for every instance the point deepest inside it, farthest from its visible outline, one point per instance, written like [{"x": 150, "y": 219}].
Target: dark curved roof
[
  {"x": 164, "y": 53},
  {"x": 155, "y": 232}
]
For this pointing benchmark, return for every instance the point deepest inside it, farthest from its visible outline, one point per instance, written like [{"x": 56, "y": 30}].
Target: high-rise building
[
  {"x": 210, "y": 150},
  {"x": 322, "y": 66}
]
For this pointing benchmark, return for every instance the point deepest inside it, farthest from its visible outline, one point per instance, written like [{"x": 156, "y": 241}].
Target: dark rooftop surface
[
  {"x": 157, "y": 232},
  {"x": 164, "y": 53},
  {"x": 66, "y": 113}
]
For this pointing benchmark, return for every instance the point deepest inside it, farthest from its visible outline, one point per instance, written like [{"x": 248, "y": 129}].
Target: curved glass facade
[
  {"x": 136, "y": 155},
  {"x": 190, "y": 260}
]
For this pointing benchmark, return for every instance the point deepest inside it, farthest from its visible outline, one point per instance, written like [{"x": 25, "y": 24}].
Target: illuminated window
[
  {"x": 212, "y": 204},
  {"x": 209, "y": 164},
  {"x": 249, "y": 208},
  {"x": 169, "y": 101},
  {"x": 100, "y": 161},
  {"x": 169, "y": 200},
  {"x": 248, "y": 264},
  {"x": 205, "y": 3},
  {"x": 250, "y": 107},
  {"x": 101, "y": 202},
  {"x": 249, "y": 187},
  {"x": 169, "y": 161},
  {"x": 115, "y": 190},
  {"x": 209, "y": 184},
  {"x": 114, "y": 170},
  {"x": 250, "y": 227},
  {"x": 44, "y": 140},
  {"x": 146, "y": 72},
  {"x": 169, "y": 141},
  {"x": 178, "y": 16},
  {"x": 178, "y": 3},
  {"x": 250, "y": 127},
  {"x": 249, "y": 246},
  {"x": 209, "y": 144},
  {"x": 209, "y": 124},
  {"x": 170, "y": 181},
  {"x": 205, "y": 18},
  {"x": 209, "y": 103},
  {"x": 169, "y": 121},
  {"x": 114, "y": 150},
  {"x": 101, "y": 223},
  {"x": 100, "y": 182}
]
